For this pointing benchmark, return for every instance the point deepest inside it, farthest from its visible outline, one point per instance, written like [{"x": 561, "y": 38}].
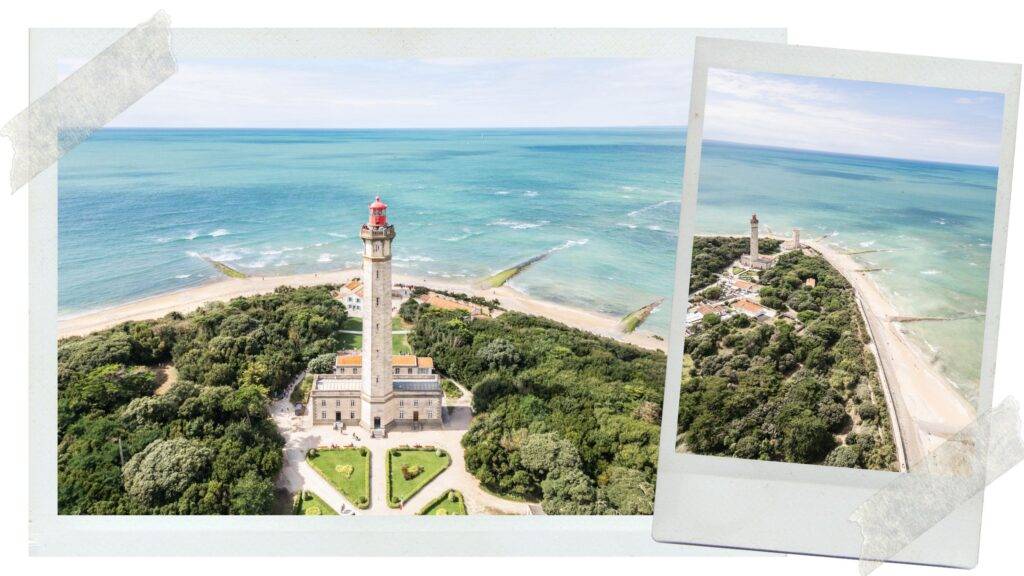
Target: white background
[{"x": 979, "y": 29}]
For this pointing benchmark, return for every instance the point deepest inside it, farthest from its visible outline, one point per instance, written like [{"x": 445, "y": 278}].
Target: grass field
[
  {"x": 450, "y": 389},
  {"x": 400, "y": 489},
  {"x": 348, "y": 470},
  {"x": 399, "y": 342},
  {"x": 450, "y": 503},
  {"x": 313, "y": 505},
  {"x": 300, "y": 393}
]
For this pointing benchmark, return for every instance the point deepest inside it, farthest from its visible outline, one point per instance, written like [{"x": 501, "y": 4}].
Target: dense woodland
[
  {"x": 207, "y": 445},
  {"x": 561, "y": 415},
  {"x": 795, "y": 391},
  {"x": 712, "y": 254}
]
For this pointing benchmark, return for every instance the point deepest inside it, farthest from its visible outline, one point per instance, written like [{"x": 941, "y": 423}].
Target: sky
[
  {"x": 442, "y": 93},
  {"x": 854, "y": 117}
]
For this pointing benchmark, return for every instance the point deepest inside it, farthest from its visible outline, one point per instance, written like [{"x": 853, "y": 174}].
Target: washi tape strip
[
  {"x": 953, "y": 473},
  {"x": 89, "y": 98}
]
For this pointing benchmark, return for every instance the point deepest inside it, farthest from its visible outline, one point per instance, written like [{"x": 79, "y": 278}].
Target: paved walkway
[{"x": 300, "y": 435}]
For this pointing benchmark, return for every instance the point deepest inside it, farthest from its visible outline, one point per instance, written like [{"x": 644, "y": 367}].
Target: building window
[
  {"x": 337, "y": 402},
  {"x": 415, "y": 402},
  {"x": 401, "y": 402},
  {"x": 351, "y": 415},
  {"x": 323, "y": 415},
  {"x": 401, "y": 415},
  {"x": 409, "y": 371},
  {"x": 430, "y": 402},
  {"x": 430, "y": 414},
  {"x": 352, "y": 402},
  {"x": 323, "y": 402}
]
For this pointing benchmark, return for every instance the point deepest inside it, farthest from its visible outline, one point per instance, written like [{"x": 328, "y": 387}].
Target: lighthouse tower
[
  {"x": 377, "y": 391},
  {"x": 753, "y": 238}
]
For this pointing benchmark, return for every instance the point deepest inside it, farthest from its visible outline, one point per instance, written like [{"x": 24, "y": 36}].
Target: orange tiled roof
[
  {"x": 353, "y": 284},
  {"x": 349, "y": 360},
  {"x": 752, "y": 307},
  {"x": 447, "y": 303},
  {"x": 404, "y": 360}
]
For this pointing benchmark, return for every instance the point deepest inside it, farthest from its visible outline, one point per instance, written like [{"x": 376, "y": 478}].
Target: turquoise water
[
  {"x": 927, "y": 226},
  {"x": 138, "y": 209}
]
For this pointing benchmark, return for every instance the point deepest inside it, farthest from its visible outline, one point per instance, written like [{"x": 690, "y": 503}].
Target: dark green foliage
[
  {"x": 207, "y": 446},
  {"x": 409, "y": 310},
  {"x": 322, "y": 363},
  {"x": 557, "y": 409},
  {"x": 711, "y": 254},
  {"x": 767, "y": 391}
]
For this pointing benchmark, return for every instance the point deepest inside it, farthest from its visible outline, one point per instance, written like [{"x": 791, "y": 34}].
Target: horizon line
[{"x": 609, "y": 126}]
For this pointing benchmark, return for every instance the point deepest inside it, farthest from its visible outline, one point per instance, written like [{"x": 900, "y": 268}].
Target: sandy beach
[
  {"x": 928, "y": 407},
  {"x": 189, "y": 299}
]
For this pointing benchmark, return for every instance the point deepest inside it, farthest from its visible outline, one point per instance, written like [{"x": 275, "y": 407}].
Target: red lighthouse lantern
[{"x": 378, "y": 214}]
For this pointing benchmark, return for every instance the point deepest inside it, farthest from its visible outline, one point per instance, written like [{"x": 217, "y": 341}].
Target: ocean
[{"x": 138, "y": 210}]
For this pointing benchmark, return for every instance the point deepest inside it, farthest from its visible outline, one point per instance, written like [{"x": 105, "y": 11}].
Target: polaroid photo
[
  {"x": 377, "y": 275},
  {"x": 843, "y": 263}
]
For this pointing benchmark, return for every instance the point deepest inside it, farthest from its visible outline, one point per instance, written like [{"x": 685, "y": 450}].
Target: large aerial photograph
[
  {"x": 840, "y": 269},
  {"x": 372, "y": 287}
]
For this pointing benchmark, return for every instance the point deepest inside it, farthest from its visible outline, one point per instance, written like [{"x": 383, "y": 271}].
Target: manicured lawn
[
  {"x": 348, "y": 470},
  {"x": 313, "y": 505},
  {"x": 450, "y": 503},
  {"x": 428, "y": 462},
  {"x": 450, "y": 389},
  {"x": 300, "y": 393},
  {"x": 400, "y": 344}
]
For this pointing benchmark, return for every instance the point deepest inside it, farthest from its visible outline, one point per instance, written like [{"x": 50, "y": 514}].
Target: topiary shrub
[
  {"x": 410, "y": 472},
  {"x": 363, "y": 451}
]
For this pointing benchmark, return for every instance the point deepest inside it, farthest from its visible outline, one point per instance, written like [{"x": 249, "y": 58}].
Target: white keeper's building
[{"x": 372, "y": 388}]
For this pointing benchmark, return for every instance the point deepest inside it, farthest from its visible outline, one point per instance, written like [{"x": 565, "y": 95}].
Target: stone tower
[
  {"x": 377, "y": 386},
  {"x": 796, "y": 238},
  {"x": 753, "y": 238}
]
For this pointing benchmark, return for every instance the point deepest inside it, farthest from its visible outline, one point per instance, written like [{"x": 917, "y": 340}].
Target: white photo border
[
  {"x": 781, "y": 507},
  {"x": 53, "y": 534}
]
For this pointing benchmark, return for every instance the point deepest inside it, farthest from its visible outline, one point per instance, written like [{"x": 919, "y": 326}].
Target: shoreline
[
  {"x": 928, "y": 406},
  {"x": 189, "y": 299}
]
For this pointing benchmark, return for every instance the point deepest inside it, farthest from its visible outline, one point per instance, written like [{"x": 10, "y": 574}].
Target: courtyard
[{"x": 426, "y": 489}]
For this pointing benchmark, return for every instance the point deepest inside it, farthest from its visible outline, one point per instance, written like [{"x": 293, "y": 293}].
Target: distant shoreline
[{"x": 188, "y": 299}]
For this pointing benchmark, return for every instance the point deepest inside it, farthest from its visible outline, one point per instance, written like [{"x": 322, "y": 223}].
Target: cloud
[
  {"x": 447, "y": 92},
  {"x": 843, "y": 116}
]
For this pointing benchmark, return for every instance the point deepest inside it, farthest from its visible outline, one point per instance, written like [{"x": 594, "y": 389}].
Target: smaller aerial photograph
[{"x": 839, "y": 271}]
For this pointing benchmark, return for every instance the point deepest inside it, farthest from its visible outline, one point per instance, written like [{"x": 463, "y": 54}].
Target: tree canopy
[
  {"x": 562, "y": 416},
  {"x": 796, "y": 391},
  {"x": 207, "y": 445}
]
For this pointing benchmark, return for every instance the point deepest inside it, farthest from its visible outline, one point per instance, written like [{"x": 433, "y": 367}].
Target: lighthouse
[
  {"x": 754, "y": 259},
  {"x": 753, "y": 238},
  {"x": 377, "y": 385}
]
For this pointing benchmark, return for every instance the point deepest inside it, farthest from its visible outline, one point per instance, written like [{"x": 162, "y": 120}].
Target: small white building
[{"x": 351, "y": 295}]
